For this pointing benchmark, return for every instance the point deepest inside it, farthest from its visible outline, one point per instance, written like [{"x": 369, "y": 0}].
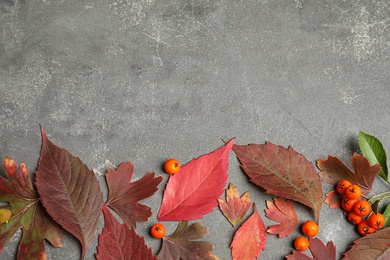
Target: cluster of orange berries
[
  {"x": 309, "y": 229},
  {"x": 357, "y": 209}
]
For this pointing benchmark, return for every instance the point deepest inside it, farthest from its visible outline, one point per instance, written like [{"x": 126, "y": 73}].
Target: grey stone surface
[{"x": 144, "y": 80}]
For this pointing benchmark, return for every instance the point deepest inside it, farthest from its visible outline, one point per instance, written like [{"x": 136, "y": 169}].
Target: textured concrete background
[{"x": 144, "y": 80}]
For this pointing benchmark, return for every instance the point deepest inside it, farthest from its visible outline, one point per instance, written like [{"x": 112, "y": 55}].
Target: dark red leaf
[
  {"x": 69, "y": 191},
  {"x": 282, "y": 172},
  {"x": 117, "y": 241},
  {"x": 194, "y": 190},
  {"x": 282, "y": 211},
  {"x": 124, "y": 195},
  {"x": 319, "y": 250}
]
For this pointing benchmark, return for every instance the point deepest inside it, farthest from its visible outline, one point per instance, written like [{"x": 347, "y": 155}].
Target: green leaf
[
  {"x": 387, "y": 216},
  {"x": 373, "y": 149}
]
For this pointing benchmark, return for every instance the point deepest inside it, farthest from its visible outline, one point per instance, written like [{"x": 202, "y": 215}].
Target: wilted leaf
[
  {"x": 373, "y": 150},
  {"x": 69, "y": 191},
  {"x": 282, "y": 211},
  {"x": 235, "y": 207},
  {"x": 193, "y": 192},
  {"x": 333, "y": 199},
  {"x": 27, "y": 214},
  {"x": 319, "y": 250},
  {"x": 333, "y": 170},
  {"x": 184, "y": 244},
  {"x": 282, "y": 172},
  {"x": 250, "y": 239},
  {"x": 124, "y": 195},
  {"x": 117, "y": 241},
  {"x": 373, "y": 246}
]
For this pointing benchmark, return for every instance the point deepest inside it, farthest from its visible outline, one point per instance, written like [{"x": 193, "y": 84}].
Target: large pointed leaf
[
  {"x": 319, "y": 250},
  {"x": 184, "y": 244},
  {"x": 235, "y": 207},
  {"x": 250, "y": 239},
  {"x": 333, "y": 170},
  {"x": 27, "y": 214},
  {"x": 117, "y": 241},
  {"x": 282, "y": 211},
  {"x": 282, "y": 172},
  {"x": 69, "y": 191},
  {"x": 373, "y": 149},
  {"x": 193, "y": 192},
  {"x": 373, "y": 246},
  {"x": 124, "y": 194}
]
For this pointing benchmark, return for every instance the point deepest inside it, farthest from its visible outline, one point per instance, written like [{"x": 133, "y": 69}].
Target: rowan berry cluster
[
  {"x": 310, "y": 229},
  {"x": 358, "y": 209}
]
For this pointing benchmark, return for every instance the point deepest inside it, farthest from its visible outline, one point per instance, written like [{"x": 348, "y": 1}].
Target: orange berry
[
  {"x": 353, "y": 192},
  {"x": 158, "y": 230},
  {"x": 364, "y": 228},
  {"x": 342, "y": 186},
  {"x": 347, "y": 204},
  {"x": 301, "y": 243},
  {"x": 362, "y": 208},
  {"x": 172, "y": 166},
  {"x": 353, "y": 218},
  {"x": 376, "y": 220},
  {"x": 310, "y": 228}
]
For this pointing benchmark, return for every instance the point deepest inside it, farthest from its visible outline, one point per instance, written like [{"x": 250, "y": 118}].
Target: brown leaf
[{"x": 282, "y": 211}]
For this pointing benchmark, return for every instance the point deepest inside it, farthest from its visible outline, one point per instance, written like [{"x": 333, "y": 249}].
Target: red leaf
[
  {"x": 333, "y": 199},
  {"x": 69, "y": 191},
  {"x": 27, "y": 214},
  {"x": 373, "y": 246},
  {"x": 282, "y": 211},
  {"x": 333, "y": 170},
  {"x": 119, "y": 242},
  {"x": 183, "y": 244},
  {"x": 319, "y": 250},
  {"x": 235, "y": 207},
  {"x": 124, "y": 194},
  {"x": 250, "y": 239},
  {"x": 193, "y": 192},
  {"x": 282, "y": 172}
]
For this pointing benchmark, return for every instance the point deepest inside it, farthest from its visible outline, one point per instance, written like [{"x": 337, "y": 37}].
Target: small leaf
[
  {"x": 117, "y": 241},
  {"x": 319, "y": 250},
  {"x": 333, "y": 170},
  {"x": 184, "y": 243},
  {"x": 124, "y": 195},
  {"x": 373, "y": 149},
  {"x": 387, "y": 215},
  {"x": 250, "y": 239},
  {"x": 375, "y": 206},
  {"x": 5, "y": 215},
  {"x": 235, "y": 207},
  {"x": 282, "y": 172},
  {"x": 333, "y": 199},
  {"x": 193, "y": 192},
  {"x": 282, "y": 211},
  {"x": 372, "y": 246}
]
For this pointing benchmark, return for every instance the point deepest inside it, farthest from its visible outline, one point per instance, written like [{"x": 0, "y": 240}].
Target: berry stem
[{"x": 380, "y": 197}]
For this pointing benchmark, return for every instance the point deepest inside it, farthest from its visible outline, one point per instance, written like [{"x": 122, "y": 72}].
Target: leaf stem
[{"x": 380, "y": 197}]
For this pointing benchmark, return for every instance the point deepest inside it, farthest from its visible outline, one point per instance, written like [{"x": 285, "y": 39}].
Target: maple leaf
[
  {"x": 282, "y": 211},
  {"x": 333, "y": 199},
  {"x": 184, "y": 243},
  {"x": 69, "y": 191},
  {"x": 124, "y": 195},
  {"x": 373, "y": 246},
  {"x": 27, "y": 214},
  {"x": 282, "y": 172},
  {"x": 319, "y": 250},
  {"x": 193, "y": 192},
  {"x": 235, "y": 207},
  {"x": 333, "y": 170},
  {"x": 250, "y": 239},
  {"x": 117, "y": 241}
]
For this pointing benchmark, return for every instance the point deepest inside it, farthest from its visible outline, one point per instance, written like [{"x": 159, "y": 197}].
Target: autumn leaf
[
  {"x": 333, "y": 170},
  {"x": 282, "y": 211},
  {"x": 282, "y": 172},
  {"x": 184, "y": 243},
  {"x": 373, "y": 246},
  {"x": 26, "y": 213},
  {"x": 235, "y": 207},
  {"x": 69, "y": 191},
  {"x": 250, "y": 239},
  {"x": 333, "y": 199},
  {"x": 117, "y": 241},
  {"x": 193, "y": 192},
  {"x": 319, "y": 250},
  {"x": 124, "y": 195}
]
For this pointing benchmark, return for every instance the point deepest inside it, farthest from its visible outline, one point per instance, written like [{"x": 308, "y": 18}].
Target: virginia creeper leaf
[
  {"x": 27, "y": 214},
  {"x": 373, "y": 246},
  {"x": 282, "y": 172},
  {"x": 373, "y": 150},
  {"x": 333, "y": 199},
  {"x": 124, "y": 195},
  {"x": 235, "y": 207},
  {"x": 193, "y": 192},
  {"x": 333, "y": 170},
  {"x": 184, "y": 243},
  {"x": 117, "y": 241},
  {"x": 69, "y": 191},
  {"x": 250, "y": 239},
  {"x": 319, "y": 250},
  {"x": 282, "y": 211}
]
